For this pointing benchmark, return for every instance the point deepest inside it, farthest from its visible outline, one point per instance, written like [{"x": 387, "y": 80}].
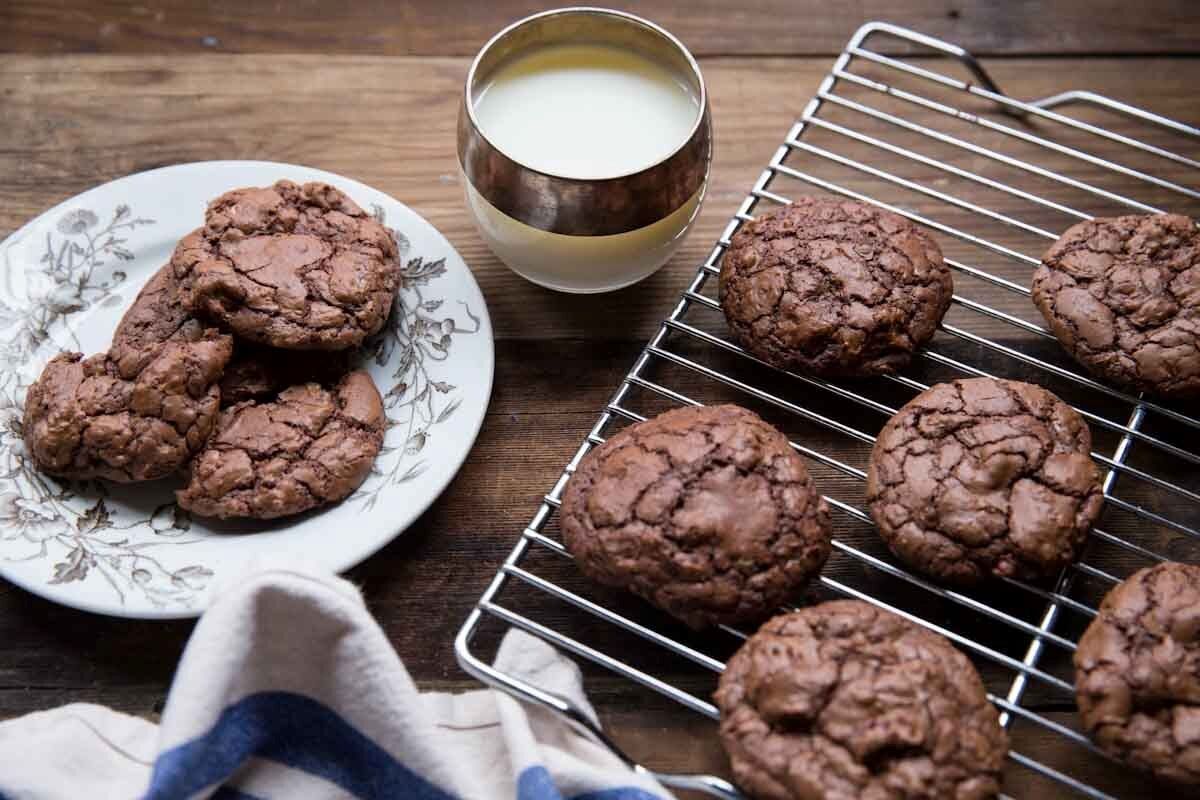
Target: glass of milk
[{"x": 585, "y": 141}]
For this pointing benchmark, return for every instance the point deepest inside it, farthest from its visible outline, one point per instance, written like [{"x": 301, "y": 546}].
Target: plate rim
[{"x": 338, "y": 566}]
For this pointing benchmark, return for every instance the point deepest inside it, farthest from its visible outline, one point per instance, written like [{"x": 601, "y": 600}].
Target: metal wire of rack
[{"x": 878, "y": 123}]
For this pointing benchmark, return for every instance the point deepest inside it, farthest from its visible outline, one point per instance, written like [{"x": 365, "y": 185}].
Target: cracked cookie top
[
  {"x": 160, "y": 313},
  {"x": 982, "y": 477},
  {"x": 297, "y": 267},
  {"x": 308, "y": 447},
  {"x": 87, "y": 418},
  {"x": 706, "y": 512},
  {"x": 844, "y": 700},
  {"x": 1123, "y": 296},
  {"x": 1137, "y": 672},
  {"x": 834, "y": 288}
]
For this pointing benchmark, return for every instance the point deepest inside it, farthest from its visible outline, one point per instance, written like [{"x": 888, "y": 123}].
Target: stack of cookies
[
  {"x": 709, "y": 513},
  {"x": 234, "y": 363}
]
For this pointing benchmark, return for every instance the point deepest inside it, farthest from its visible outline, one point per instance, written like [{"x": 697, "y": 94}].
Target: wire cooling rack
[{"x": 995, "y": 180}]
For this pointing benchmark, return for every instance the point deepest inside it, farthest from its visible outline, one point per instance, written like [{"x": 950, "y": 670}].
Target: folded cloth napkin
[{"x": 288, "y": 689}]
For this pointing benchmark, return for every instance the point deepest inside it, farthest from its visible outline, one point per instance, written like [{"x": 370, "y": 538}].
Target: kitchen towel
[{"x": 289, "y": 689}]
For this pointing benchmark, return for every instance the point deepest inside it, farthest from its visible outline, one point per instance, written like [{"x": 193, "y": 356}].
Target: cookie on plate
[
  {"x": 308, "y": 447},
  {"x": 982, "y": 477},
  {"x": 86, "y": 418},
  {"x": 158, "y": 314},
  {"x": 706, "y": 512},
  {"x": 1123, "y": 296},
  {"x": 161, "y": 313},
  {"x": 833, "y": 288},
  {"x": 1137, "y": 672},
  {"x": 295, "y": 267},
  {"x": 844, "y": 700}
]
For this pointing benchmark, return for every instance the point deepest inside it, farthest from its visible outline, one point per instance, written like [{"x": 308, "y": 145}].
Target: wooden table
[{"x": 94, "y": 90}]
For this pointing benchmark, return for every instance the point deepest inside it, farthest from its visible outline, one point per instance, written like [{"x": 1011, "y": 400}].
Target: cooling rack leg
[{"x": 1066, "y": 578}]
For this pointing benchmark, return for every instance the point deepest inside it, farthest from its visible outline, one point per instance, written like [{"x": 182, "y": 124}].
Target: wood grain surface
[
  {"x": 282, "y": 87},
  {"x": 709, "y": 27}
]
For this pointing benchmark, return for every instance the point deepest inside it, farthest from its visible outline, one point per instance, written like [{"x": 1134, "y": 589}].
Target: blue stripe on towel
[
  {"x": 535, "y": 783},
  {"x": 295, "y": 731}
]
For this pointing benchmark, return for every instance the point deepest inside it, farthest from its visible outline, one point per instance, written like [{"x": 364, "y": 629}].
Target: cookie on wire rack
[
  {"x": 1137, "y": 672},
  {"x": 706, "y": 512},
  {"x": 833, "y": 288},
  {"x": 844, "y": 700},
  {"x": 1122, "y": 295},
  {"x": 984, "y": 477}
]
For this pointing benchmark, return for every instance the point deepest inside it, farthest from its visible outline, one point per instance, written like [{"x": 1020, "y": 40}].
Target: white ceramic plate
[{"x": 68, "y": 276}]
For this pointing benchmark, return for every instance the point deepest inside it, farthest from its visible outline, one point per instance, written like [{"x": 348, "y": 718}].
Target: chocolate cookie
[
  {"x": 833, "y": 288},
  {"x": 1137, "y": 672},
  {"x": 297, "y": 267},
  {"x": 309, "y": 447},
  {"x": 159, "y": 313},
  {"x": 1123, "y": 297},
  {"x": 843, "y": 700},
  {"x": 706, "y": 512},
  {"x": 85, "y": 418},
  {"x": 984, "y": 477}
]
